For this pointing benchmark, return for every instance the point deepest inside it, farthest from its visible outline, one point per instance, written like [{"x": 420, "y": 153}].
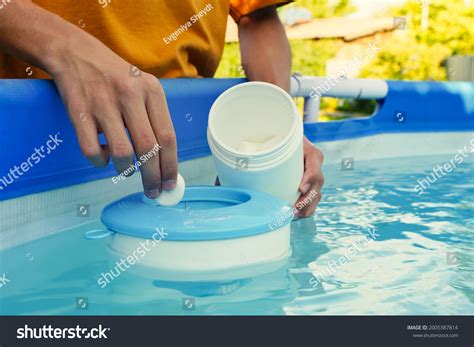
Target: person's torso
[{"x": 167, "y": 38}]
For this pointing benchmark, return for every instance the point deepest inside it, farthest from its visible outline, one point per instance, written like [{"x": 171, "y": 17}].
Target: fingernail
[
  {"x": 128, "y": 173},
  {"x": 152, "y": 193},
  {"x": 305, "y": 188},
  {"x": 169, "y": 184},
  {"x": 296, "y": 214}
]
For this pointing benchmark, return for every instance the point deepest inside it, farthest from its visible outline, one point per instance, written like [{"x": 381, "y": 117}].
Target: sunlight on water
[{"x": 374, "y": 247}]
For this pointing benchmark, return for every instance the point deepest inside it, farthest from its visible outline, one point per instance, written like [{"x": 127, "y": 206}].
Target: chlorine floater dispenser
[
  {"x": 210, "y": 231},
  {"x": 256, "y": 138}
]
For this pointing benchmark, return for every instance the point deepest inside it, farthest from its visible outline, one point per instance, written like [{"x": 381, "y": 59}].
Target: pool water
[{"x": 375, "y": 246}]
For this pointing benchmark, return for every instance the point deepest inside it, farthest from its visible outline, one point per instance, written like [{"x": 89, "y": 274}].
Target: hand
[
  {"x": 105, "y": 94},
  {"x": 313, "y": 180}
]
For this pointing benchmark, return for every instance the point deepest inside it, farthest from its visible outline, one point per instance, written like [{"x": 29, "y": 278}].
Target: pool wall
[
  {"x": 31, "y": 111},
  {"x": 415, "y": 118}
]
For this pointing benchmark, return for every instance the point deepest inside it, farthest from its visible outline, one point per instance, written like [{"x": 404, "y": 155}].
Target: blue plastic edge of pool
[
  {"x": 243, "y": 219},
  {"x": 31, "y": 111}
]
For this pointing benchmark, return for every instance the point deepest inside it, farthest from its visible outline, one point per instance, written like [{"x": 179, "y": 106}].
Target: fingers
[
  {"x": 306, "y": 204},
  {"x": 312, "y": 182},
  {"x": 145, "y": 144},
  {"x": 137, "y": 104},
  {"x": 118, "y": 143},
  {"x": 84, "y": 123},
  {"x": 162, "y": 125},
  {"x": 87, "y": 135}
]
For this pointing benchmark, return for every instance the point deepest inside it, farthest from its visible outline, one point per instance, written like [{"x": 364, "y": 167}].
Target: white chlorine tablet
[{"x": 169, "y": 197}]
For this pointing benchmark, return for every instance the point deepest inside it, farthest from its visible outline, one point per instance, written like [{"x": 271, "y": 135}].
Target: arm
[
  {"x": 98, "y": 90},
  {"x": 266, "y": 56}
]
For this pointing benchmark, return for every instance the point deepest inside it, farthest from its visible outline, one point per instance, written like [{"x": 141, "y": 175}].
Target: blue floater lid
[{"x": 205, "y": 213}]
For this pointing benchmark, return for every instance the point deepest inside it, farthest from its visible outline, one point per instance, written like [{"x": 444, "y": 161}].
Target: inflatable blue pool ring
[
  {"x": 205, "y": 213},
  {"x": 213, "y": 229}
]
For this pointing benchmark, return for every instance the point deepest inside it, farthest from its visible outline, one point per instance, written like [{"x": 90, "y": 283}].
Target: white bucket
[{"x": 256, "y": 138}]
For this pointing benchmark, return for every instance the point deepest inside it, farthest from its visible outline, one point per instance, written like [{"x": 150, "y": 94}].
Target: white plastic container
[
  {"x": 207, "y": 260},
  {"x": 256, "y": 137}
]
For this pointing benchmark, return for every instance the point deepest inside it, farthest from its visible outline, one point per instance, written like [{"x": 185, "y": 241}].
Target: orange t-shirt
[{"x": 180, "y": 38}]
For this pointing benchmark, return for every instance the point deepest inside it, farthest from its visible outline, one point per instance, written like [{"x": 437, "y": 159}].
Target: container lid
[{"x": 204, "y": 213}]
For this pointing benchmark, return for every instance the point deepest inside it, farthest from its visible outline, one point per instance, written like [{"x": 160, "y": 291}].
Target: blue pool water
[{"x": 375, "y": 247}]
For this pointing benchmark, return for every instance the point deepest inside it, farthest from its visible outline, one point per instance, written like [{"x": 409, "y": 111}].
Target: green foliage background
[
  {"x": 412, "y": 54},
  {"x": 309, "y": 56},
  {"x": 417, "y": 54}
]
